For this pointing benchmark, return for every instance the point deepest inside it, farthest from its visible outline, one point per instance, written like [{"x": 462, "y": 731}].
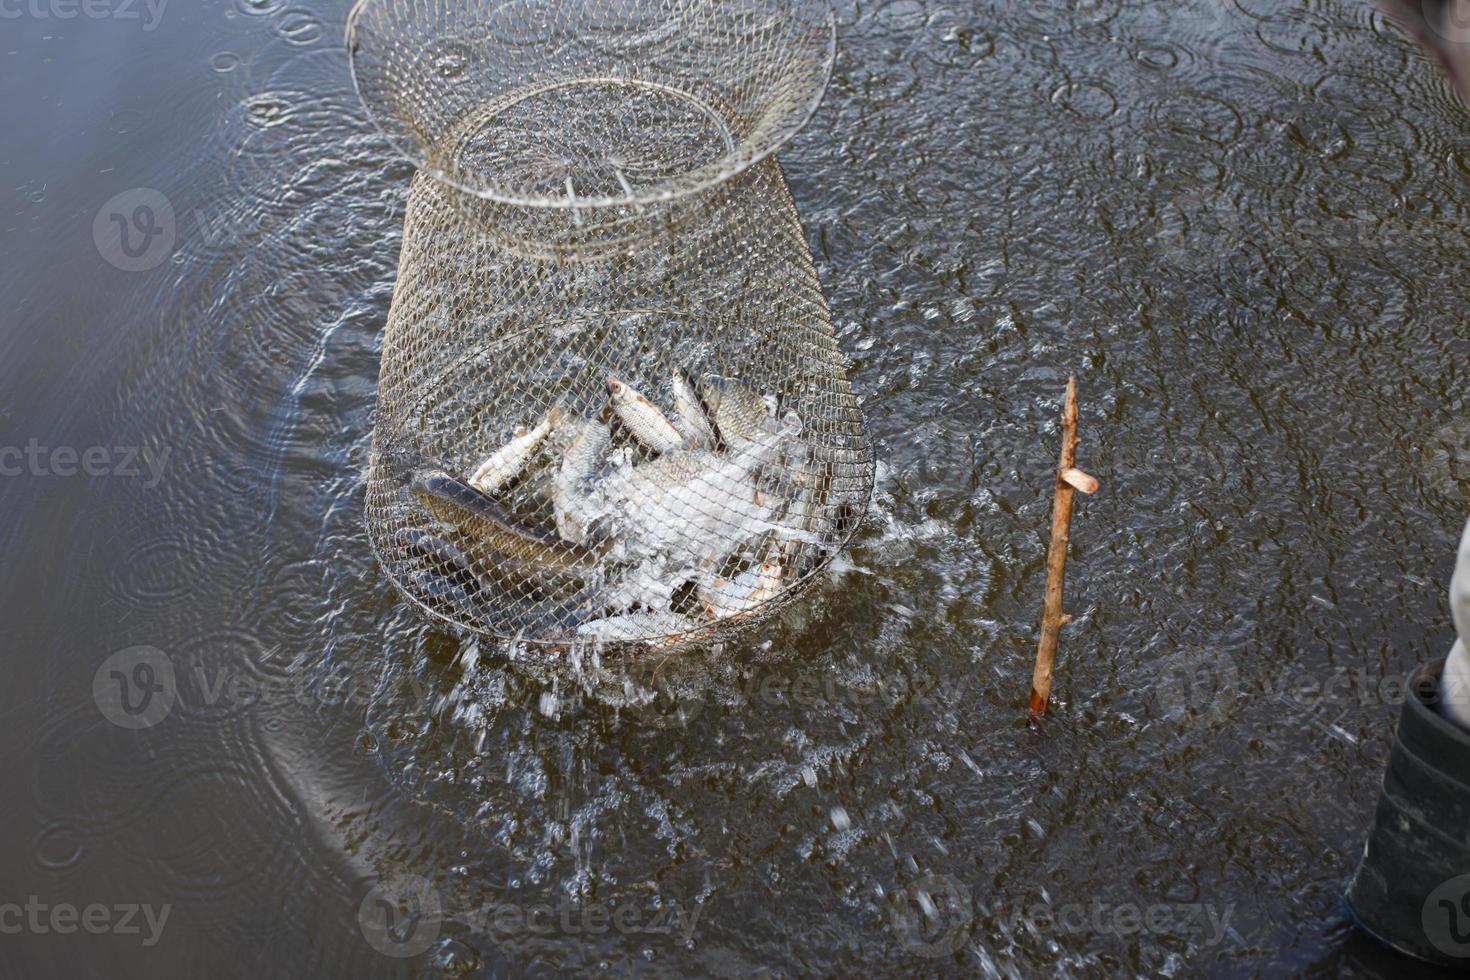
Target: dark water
[{"x": 1241, "y": 224}]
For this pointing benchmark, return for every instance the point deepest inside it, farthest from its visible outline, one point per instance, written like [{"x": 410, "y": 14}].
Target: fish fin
[
  {"x": 559, "y": 415},
  {"x": 478, "y": 478}
]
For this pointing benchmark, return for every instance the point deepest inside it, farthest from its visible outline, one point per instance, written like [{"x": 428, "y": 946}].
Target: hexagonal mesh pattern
[
  {"x": 619, "y": 417},
  {"x": 556, "y": 102}
]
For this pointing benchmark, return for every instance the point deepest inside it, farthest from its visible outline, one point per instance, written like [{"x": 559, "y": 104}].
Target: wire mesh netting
[{"x": 611, "y": 407}]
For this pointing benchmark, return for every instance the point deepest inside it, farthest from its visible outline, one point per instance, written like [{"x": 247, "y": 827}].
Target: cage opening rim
[{"x": 700, "y": 180}]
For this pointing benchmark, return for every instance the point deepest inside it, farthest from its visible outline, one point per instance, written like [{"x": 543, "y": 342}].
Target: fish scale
[
  {"x": 740, "y": 413},
  {"x": 642, "y": 418},
  {"x": 574, "y": 502}
]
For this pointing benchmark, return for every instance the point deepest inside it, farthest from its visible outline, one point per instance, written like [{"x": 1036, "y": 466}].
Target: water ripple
[{"x": 1247, "y": 253}]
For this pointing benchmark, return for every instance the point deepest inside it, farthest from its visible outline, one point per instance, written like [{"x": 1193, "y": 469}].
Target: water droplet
[
  {"x": 1157, "y": 57},
  {"x": 1460, "y": 156},
  {"x": 299, "y": 27},
  {"x": 1086, "y": 99},
  {"x": 57, "y": 847},
  {"x": 267, "y": 110}
]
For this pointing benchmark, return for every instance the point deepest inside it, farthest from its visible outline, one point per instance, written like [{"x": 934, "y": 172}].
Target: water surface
[{"x": 1240, "y": 224}]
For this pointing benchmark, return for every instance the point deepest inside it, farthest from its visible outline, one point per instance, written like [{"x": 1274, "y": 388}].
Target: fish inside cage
[
  {"x": 633, "y": 521},
  {"x": 612, "y": 407}
]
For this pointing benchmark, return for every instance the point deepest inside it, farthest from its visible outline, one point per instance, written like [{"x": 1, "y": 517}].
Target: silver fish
[
  {"x": 660, "y": 628},
  {"x": 802, "y": 463},
  {"x": 642, "y": 418},
  {"x": 670, "y": 470},
  {"x": 692, "y": 418},
  {"x": 795, "y": 530},
  {"x": 574, "y": 498},
  {"x": 723, "y": 598},
  {"x": 694, "y": 504},
  {"x": 739, "y": 412},
  {"x": 507, "y": 462},
  {"x": 650, "y": 585}
]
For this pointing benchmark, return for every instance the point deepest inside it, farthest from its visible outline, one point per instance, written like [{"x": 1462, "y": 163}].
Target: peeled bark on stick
[{"x": 1069, "y": 480}]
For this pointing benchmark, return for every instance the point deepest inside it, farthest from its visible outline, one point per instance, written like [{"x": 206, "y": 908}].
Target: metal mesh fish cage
[{"x": 611, "y": 410}]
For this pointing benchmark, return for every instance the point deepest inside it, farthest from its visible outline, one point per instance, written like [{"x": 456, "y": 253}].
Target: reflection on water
[{"x": 1241, "y": 225}]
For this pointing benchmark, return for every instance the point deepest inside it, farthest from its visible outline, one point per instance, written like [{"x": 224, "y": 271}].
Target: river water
[{"x": 1241, "y": 224}]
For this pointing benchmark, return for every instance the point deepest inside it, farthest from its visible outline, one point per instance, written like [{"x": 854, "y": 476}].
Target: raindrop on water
[
  {"x": 299, "y": 27},
  {"x": 57, "y": 847},
  {"x": 267, "y": 110}
]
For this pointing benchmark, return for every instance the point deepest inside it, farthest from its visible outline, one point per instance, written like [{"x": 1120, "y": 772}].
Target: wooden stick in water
[{"x": 1069, "y": 480}]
